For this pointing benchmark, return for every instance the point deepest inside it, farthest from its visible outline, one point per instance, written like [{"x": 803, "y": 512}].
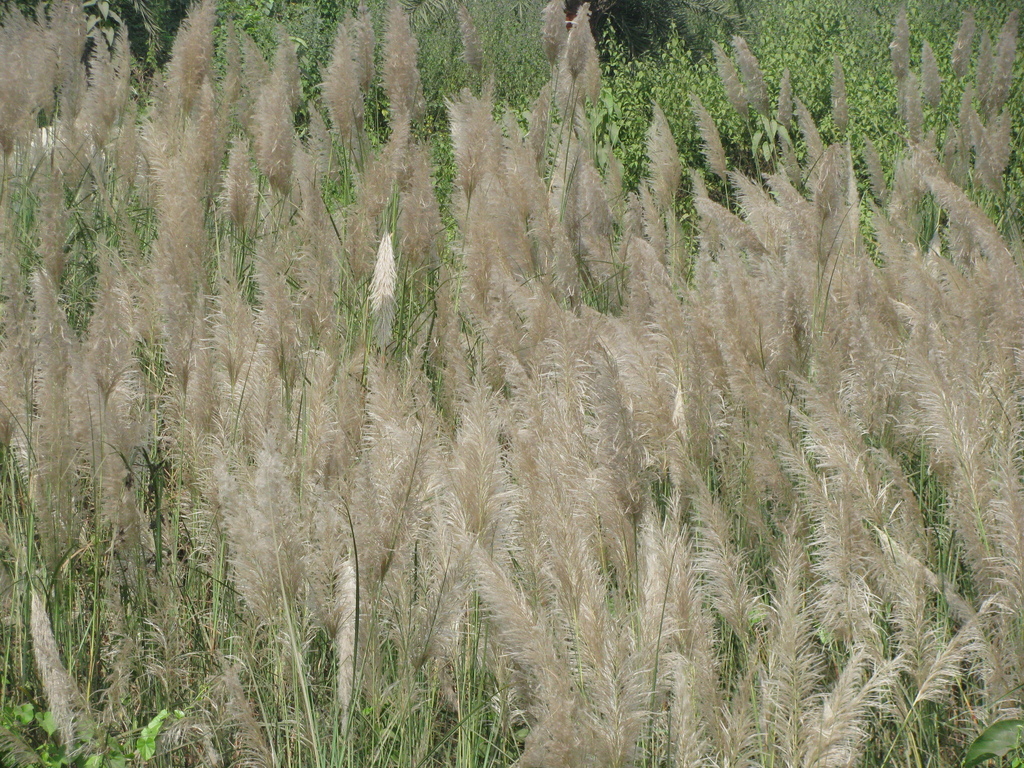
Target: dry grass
[{"x": 555, "y": 489}]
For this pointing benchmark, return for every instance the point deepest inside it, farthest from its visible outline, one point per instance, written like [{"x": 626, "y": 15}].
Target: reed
[{"x": 331, "y": 471}]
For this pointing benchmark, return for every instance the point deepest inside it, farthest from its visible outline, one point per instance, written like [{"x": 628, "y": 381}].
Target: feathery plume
[
  {"x": 785, "y": 106},
  {"x": 107, "y": 92},
  {"x": 728, "y": 578},
  {"x": 994, "y": 96},
  {"x": 789, "y": 160},
  {"x": 382, "y": 291},
  {"x": 255, "y": 73},
  {"x": 691, "y": 742},
  {"x": 666, "y": 169},
  {"x": 267, "y": 531},
  {"x": 274, "y": 134},
  {"x": 911, "y": 107},
  {"x": 286, "y": 67},
  {"x": 588, "y": 220},
  {"x": 419, "y": 219},
  {"x": 815, "y": 146},
  {"x": 401, "y": 77},
  {"x": 481, "y": 494},
  {"x": 553, "y": 30},
  {"x": 364, "y": 41},
  {"x": 840, "y": 108},
  {"x": 962, "y": 210},
  {"x": 63, "y": 698},
  {"x": 26, "y": 77},
  {"x": 537, "y": 138},
  {"x": 252, "y": 745},
  {"x": 711, "y": 141},
  {"x": 231, "y": 83},
  {"x": 206, "y": 136},
  {"x": 964, "y": 44},
  {"x": 191, "y": 57},
  {"x": 954, "y": 158},
  {"x": 984, "y": 68},
  {"x": 794, "y": 663},
  {"x": 875, "y": 172},
  {"x": 931, "y": 81},
  {"x": 992, "y": 155},
  {"x": 945, "y": 668},
  {"x": 835, "y": 733},
  {"x": 899, "y": 48},
  {"x": 471, "y": 50},
  {"x": 234, "y": 335},
  {"x": 68, "y": 33},
  {"x": 968, "y": 119},
  {"x": 238, "y": 193},
  {"x": 476, "y": 139},
  {"x": 730, "y": 78},
  {"x": 52, "y": 215},
  {"x": 580, "y": 57},
  {"x": 341, "y": 90},
  {"x": 345, "y": 635},
  {"x": 753, "y": 79}
]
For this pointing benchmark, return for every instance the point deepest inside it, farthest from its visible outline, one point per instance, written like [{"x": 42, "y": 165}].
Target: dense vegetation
[{"x": 588, "y": 402}]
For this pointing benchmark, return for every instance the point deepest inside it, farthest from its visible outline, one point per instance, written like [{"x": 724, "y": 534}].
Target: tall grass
[{"x": 562, "y": 485}]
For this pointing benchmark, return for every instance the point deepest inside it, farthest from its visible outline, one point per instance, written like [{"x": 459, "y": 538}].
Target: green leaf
[
  {"x": 995, "y": 741},
  {"x": 46, "y": 722},
  {"x": 25, "y": 713},
  {"x": 145, "y": 745}
]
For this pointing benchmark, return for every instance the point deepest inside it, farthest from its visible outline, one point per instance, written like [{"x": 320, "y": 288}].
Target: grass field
[{"x": 328, "y": 441}]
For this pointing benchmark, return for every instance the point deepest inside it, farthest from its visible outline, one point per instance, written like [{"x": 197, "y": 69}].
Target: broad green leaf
[
  {"x": 25, "y": 713},
  {"x": 995, "y": 741},
  {"x": 145, "y": 745},
  {"x": 46, "y": 722}
]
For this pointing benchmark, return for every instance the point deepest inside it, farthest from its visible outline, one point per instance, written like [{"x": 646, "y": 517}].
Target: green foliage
[
  {"x": 668, "y": 79},
  {"x": 646, "y": 25},
  {"x": 803, "y": 37},
  {"x": 32, "y": 733},
  {"x": 996, "y": 742},
  {"x": 605, "y": 125},
  {"x": 102, "y": 18},
  {"x": 152, "y": 25},
  {"x": 508, "y": 36}
]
